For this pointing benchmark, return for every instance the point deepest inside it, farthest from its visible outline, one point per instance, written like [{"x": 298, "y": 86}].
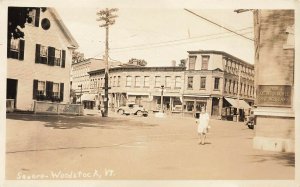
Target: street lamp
[
  {"x": 161, "y": 98},
  {"x": 80, "y": 86}
]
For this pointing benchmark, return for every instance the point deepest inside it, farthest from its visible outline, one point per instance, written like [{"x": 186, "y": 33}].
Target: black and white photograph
[{"x": 132, "y": 91}]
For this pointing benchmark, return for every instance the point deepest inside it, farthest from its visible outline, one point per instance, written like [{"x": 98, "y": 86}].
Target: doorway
[{"x": 11, "y": 89}]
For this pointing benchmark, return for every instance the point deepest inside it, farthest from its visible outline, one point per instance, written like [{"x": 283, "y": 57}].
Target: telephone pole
[{"x": 107, "y": 18}]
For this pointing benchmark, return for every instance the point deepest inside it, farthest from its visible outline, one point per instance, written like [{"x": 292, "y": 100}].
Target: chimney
[{"x": 173, "y": 63}]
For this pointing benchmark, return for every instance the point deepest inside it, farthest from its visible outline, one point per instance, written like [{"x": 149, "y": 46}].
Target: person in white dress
[{"x": 202, "y": 123}]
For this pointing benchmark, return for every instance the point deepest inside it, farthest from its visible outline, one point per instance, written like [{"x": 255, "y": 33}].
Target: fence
[{"x": 57, "y": 108}]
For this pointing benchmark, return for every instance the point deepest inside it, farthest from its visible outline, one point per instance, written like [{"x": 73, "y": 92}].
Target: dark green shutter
[
  {"x": 61, "y": 90},
  {"x": 37, "y": 17},
  {"x": 51, "y": 56},
  {"x": 35, "y": 89},
  {"x": 49, "y": 90},
  {"x": 8, "y": 48},
  {"x": 37, "y": 53},
  {"x": 21, "y": 49},
  {"x": 63, "y": 59}
]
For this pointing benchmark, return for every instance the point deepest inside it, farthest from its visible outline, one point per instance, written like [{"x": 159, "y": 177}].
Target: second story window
[
  {"x": 128, "y": 81},
  {"x": 15, "y": 49},
  {"x": 203, "y": 83},
  {"x": 217, "y": 82},
  {"x": 190, "y": 83},
  {"x": 178, "y": 82},
  {"x": 205, "y": 60},
  {"x": 192, "y": 62},
  {"x": 168, "y": 82},
  {"x": 57, "y": 58},
  {"x": 119, "y": 81},
  {"x": 137, "y": 81},
  {"x": 157, "y": 82},
  {"x": 146, "y": 82},
  {"x": 50, "y": 55}
]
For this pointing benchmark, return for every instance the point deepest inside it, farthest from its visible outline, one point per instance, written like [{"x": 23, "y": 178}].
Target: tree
[
  {"x": 138, "y": 62},
  {"x": 17, "y": 18},
  {"x": 182, "y": 63},
  {"x": 77, "y": 57}
]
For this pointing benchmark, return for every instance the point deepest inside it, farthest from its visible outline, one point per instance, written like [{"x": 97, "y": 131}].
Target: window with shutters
[
  {"x": 48, "y": 91},
  {"x": 15, "y": 48},
  {"x": 49, "y": 55},
  {"x": 34, "y": 17}
]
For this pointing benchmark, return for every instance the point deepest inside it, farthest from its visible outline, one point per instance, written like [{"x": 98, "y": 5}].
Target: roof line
[
  {"x": 219, "y": 52},
  {"x": 63, "y": 27}
]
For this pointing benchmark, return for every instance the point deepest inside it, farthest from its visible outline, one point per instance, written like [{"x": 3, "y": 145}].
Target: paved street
[{"x": 130, "y": 147}]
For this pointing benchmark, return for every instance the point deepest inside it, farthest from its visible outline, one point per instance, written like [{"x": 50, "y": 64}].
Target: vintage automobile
[
  {"x": 132, "y": 108},
  {"x": 250, "y": 120}
]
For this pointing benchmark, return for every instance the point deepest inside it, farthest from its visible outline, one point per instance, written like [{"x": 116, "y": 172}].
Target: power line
[
  {"x": 176, "y": 40},
  {"x": 217, "y": 24},
  {"x": 142, "y": 47}
]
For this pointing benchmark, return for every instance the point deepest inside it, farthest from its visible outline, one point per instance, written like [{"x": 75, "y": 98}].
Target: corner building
[{"x": 210, "y": 79}]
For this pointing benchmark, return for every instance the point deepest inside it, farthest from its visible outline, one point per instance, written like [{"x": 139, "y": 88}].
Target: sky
[{"x": 160, "y": 35}]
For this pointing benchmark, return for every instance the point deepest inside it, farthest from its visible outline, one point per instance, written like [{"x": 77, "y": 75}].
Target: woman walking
[{"x": 202, "y": 122}]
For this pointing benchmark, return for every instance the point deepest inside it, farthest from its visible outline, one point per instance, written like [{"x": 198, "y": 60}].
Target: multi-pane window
[
  {"x": 177, "y": 82},
  {"x": 55, "y": 90},
  {"x": 217, "y": 82},
  {"x": 146, "y": 82},
  {"x": 49, "y": 55},
  {"x": 202, "y": 82},
  {"x": 205, "y": 60},
  {"x": 137, "y": 81},
  {"x": 168, "y": 82},
  {"x": 47, "y": 90},
  {"x": 229, "y": 86},
  {"x": 190, "y": 83},
  {"x": 225, "y": 86},
  {"x": 192, "y": 62},
  {"x": 57, "y": 57},
  {"x": 16, "y": 49},
  {"x": 41, "y": 88},
  {"x": 34, "y": 16},
  {"x": 128, "y": 81},
  {"x": 157, "y": 81}
]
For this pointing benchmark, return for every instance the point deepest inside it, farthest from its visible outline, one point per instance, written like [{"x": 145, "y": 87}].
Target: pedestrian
[{"x": 202, "y": 123}]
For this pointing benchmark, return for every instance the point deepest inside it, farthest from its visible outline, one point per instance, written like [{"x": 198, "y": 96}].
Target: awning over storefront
[
  {"x": 167, "y": 94},
  {"x": 87, "y": 97},
  {"x": 238, "y": 104}
]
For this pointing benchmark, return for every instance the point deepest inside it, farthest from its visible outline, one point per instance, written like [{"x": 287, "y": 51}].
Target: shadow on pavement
[
  {"x": 79, "y": 122},
  {"x": 288, "y": 159}
]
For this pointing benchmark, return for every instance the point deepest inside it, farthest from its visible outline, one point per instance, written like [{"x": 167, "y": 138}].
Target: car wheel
[
  {"x": 139, "y": 113},
  {"x": 121, "y": 112}
]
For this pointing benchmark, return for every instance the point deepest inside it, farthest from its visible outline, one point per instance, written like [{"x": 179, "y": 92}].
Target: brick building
[
  {"x": 38, "y": 65},
  {"x": 81, "y": 82},
  {"x": 219, "y": 81},
  {"x": 210, "y": 79}
]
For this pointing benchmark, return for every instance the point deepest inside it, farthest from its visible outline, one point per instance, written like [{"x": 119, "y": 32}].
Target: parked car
[
  {"x": 132, "y": 108},
  {"x": 250, "y": 120}
]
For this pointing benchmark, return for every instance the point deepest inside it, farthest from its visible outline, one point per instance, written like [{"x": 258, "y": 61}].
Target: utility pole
[
  {"x": 238, "y": 96},
  {"x": 107, "y": 18}
]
